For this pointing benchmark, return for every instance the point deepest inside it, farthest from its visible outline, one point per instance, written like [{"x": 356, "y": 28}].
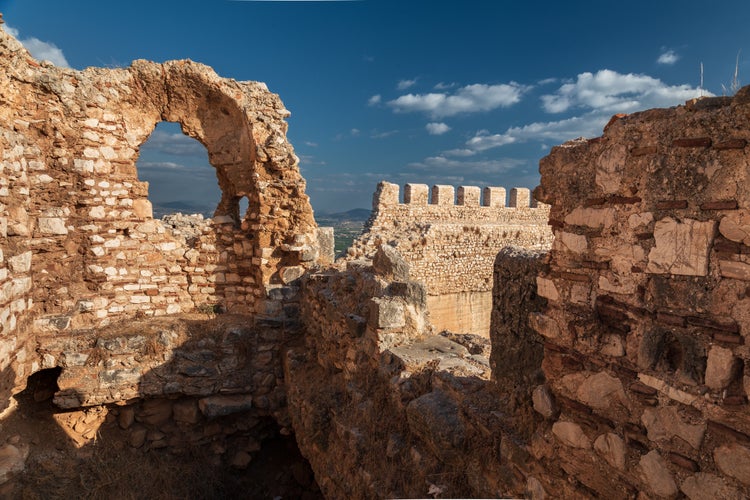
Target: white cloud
[
  {"x": 612, "y": 92},
  {"x": 461, "y": 152},
  {"x": 44, "y": 51},
  {"x": 405, "y": 84},
  {"x": 175, "y": 144},
  {"x": 382, "y": 135},
  {"x": 354, "y": 132},
  {"x": 668, "y": 57},
  {"x": 311, "y": 144},
  {"x": 469, "y": 99},
  {"x": 437, "y": 128},
  {"x": 486, "y": 166},
  {"x": 588, "y": 125},
  {"x": 374, "y": 100},
  {"x": 444, "y": 86}
]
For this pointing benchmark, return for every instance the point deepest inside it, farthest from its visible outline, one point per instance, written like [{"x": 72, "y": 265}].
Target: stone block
[
  {"x": 571, "y": 434},
  {"x": 546, "y": 288},
  {"x": 290, "y": 274},
  {"x": 721, "y": 367},
  {"x": 735, "y": 270},
  {"x": 681, "y": 247},
  {"x": 665, "y": 422},
  {"x": 609, "y": 167},
  {"x": 143, "y": 209},
  {"x": 387, "y": 313},
  {"x": 736, "y": 227},
  {"x": 186, "y": 411},
  {"x": 493, "y": 197},
  {"x": 469, "y": 196},
  {"x": 12, "y": 461},
  {"x": 442, "y": 195},
  {"x": 434, "y": 417},
  {"x": 416, "y": 194},
  {"x": 389, "y": 264},
  {"x": 601, "y": 390},
  {"x": 612, "y": 448},
  {"x": 591, "y": 217},
  {"x": 705, "y": 486},
  {"x": 655, "y": 473},
  {"x": 52, "y": 225},
  {"x": 326, "y": 245},
  {"x": 734, "y": 460},
  {"x": 519, "y": 198},
  {"x": 544, "y": 325},
  {"x": 220, "y": 406},
  {"x": 544, "y": 402},
  {"x": 20, "y": 263}
]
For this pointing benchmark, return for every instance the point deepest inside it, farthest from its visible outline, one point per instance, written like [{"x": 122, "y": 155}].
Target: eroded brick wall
[
  {"x": 647, "y": 317},
  {"x": 79, "y": 245},
  {"x": 450, "y": 238}
]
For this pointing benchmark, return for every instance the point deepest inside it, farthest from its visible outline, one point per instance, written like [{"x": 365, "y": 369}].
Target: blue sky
[{"x": 470, "y": 92}]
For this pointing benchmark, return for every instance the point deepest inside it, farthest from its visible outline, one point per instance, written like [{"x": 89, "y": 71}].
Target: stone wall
[
  {"x": 79, "y": 245},
  {"x": 647, "y": 317},
  {"x": 450, "y": 241}
]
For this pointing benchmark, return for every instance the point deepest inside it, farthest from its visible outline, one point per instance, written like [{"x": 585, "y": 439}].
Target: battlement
[{"x": 388, "y": 194}]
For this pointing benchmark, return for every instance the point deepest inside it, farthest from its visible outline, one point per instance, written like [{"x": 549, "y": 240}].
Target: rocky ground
[{"x": 86, "y": 454}]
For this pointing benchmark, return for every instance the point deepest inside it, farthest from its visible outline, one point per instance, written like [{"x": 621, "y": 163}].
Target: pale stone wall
[
  {"x": 450, "y": 240},
  {"x": 79, "y": 245}
]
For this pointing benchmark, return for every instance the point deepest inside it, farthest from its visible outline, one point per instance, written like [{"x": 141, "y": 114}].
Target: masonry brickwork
[
  {"x": 80, "y": 247},
  {"x": 618, "y": 359},
  {"x": 450, "y": 238}
]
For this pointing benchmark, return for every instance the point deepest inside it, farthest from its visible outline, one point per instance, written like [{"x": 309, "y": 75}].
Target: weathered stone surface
[
  {"x": 387, "y": 312},
  {"x": 12, "y": 461},
  {"x": 681, "y": 247},
  {"x": 656, "y": 475},
  {"x": 664, "y": 423},
  {"x": 571, "y": 434},
  {"x": 546, "y": 288},
  {"x": 434, "y": 418},
  {"x": 721, "y": 367},
  {"x": 705, "y": 486},
  {"x": 220, "y": 406},
  {"x": 609, "y": 167},
  {"x": 388, "y": 263},
  {"x": 612, "y": 448},
  {"x": 734, "y": 460},
  {"x": 601, "y": 390},
  {"x": 736, "y": 227},
  {"x": 544, "y": 402},
  {"x": 591, "y": 217}
]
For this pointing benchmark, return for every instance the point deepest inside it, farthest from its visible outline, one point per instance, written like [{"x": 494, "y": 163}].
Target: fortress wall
[
  {"x": 80, "y": 247},
  {"x": 646, "y": 324},
  {"x": 450, "y": 238}
]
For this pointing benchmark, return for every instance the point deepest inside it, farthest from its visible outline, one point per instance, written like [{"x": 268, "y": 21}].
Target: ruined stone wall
[
  {"x": 645, "y": 331},
  {"x": 450, "y": 242},
  {"x": 79, "y": 245}
]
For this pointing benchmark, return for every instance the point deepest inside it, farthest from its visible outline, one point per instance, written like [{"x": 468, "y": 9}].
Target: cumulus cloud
[
  {"x": 612, "y": 92},
  {"x": 405, "y": 84},
  {"x": 440, "y": 163},
  {"x": 469, "y": 99},
  {"x": 444, "y": 86},
  {"x": 437, "y": 128},
  {"x": 668, "y": 57},
  {"x": 174, "y": 144},
  {"x": 374, "y": 100},
  {"x": 44, "y": 51},
  {"x": 587, "y": 125}
]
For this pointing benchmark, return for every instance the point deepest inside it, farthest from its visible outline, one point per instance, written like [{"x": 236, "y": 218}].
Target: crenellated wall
[{"x": 450, "y": 238}]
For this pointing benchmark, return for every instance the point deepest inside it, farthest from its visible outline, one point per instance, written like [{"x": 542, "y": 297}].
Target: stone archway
[{"x": 82, "y": 249}]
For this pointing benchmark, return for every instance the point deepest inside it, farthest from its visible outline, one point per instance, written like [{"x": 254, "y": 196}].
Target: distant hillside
[
  {"x": 355, "y": 214},
  {"x": 346, "y": 225}
]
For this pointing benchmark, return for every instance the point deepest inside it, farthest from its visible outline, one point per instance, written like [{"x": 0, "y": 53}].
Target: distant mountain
[{"x": 354, "y": 215}]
